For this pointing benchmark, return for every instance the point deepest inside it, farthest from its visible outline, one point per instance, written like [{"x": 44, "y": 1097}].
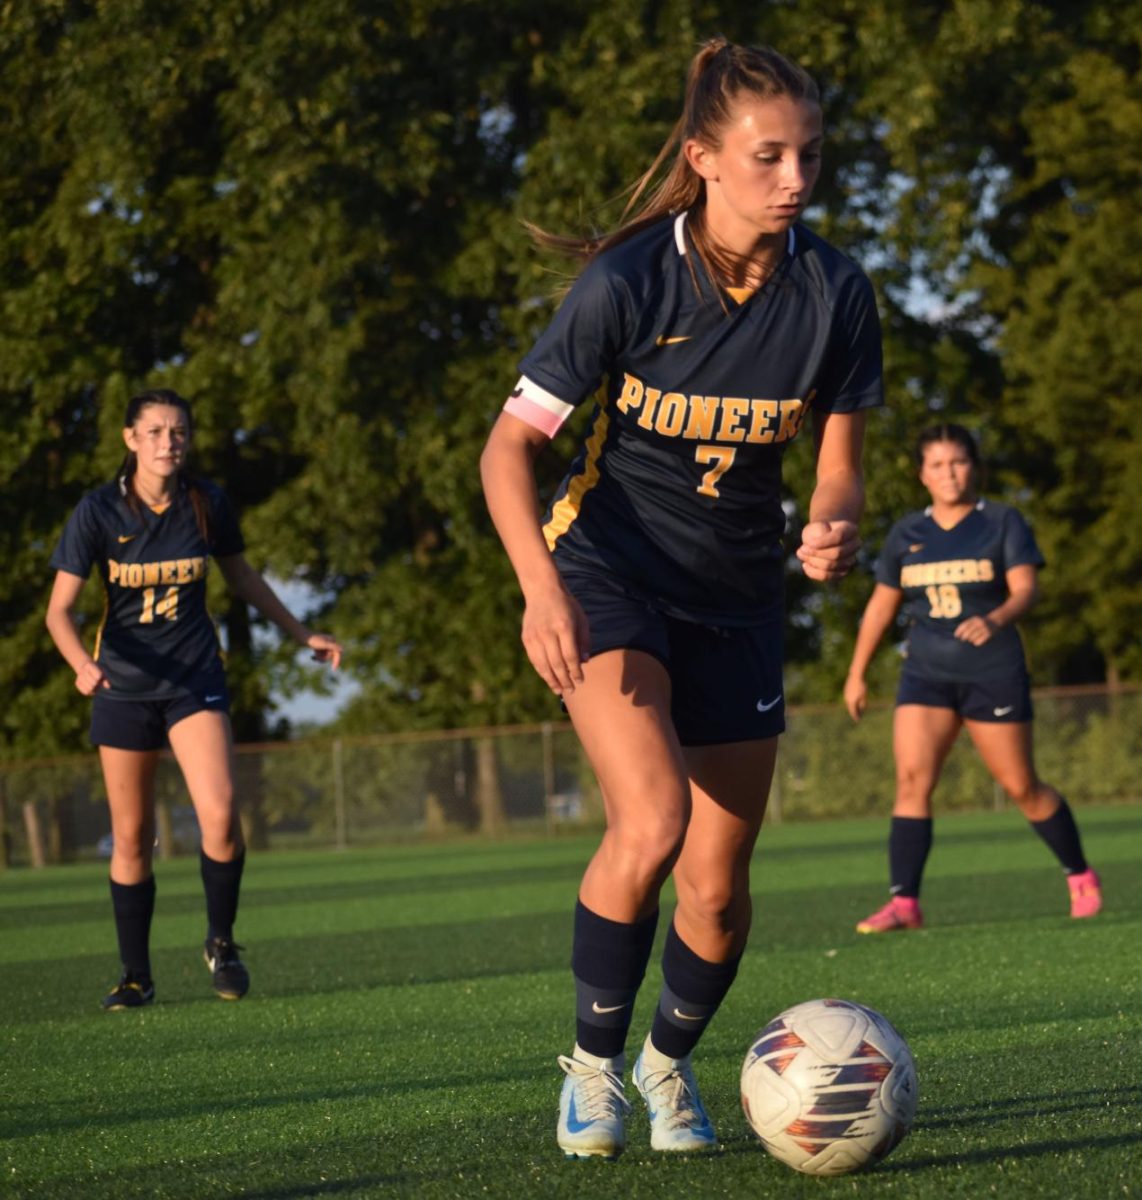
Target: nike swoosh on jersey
[
  {"x": 210, "y": 699},
  {"x": 1002, "y": 712},
  {"x": 127, "y": 537},
  {"x": 762, "y": 706},
  {"x": 613, "y": 1008},
  {"x": 663, "y": 340},
  {"x": 916, "y": 546}
]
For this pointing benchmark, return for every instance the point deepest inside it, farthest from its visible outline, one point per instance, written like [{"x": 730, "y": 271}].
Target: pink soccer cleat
[
  {"x": 1086, "y": 893},
  {"x": 901, "y": 912}
]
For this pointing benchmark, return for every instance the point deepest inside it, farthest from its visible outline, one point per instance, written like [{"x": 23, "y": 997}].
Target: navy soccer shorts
[
  {"x": 143, "y": 724},
  {"x": 726, "y": 682},
  {"x": 997, "y": 701}
]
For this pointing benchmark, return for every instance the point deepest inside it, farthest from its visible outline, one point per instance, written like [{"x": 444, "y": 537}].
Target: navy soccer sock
[
  {"x": 909, "y": 841},
  {"x": 608, "y": 960},
  {"x": 221, "y": 881},
  {"x": 692, "y": 990},
  {"x": 134, "y": 905},
  {"x": 1061, "y": 834}
]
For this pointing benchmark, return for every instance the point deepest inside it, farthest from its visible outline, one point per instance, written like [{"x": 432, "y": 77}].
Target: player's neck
[
  {"x": 742, "y": 256},
  {"x": 155, "y": 491},
  {"x": 948, "y": 515}
]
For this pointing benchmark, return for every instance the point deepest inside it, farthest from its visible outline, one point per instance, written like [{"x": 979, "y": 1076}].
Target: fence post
[
  {"x": 338, "y": 796},
  {"x": 548, "y": 775},
  {"x": 773, "y": 811}
]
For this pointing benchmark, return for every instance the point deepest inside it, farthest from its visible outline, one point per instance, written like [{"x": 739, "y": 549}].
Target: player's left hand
[
  {"x": 977, "y": 630},
  {"x": 325, "y": 649},
  {"x": 828, "y": 549}
]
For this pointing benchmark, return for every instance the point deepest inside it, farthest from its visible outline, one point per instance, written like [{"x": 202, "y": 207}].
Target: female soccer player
[
  {"x": 156, "y": 673},
  {"x": 653, "y": 586},
  {"x": 965, "y": 571}
]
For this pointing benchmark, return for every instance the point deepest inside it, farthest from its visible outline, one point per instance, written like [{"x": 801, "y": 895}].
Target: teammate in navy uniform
[
  {"x": 156, "y": 673},
  {"x": 705, "y": 330},
  {"x": 965, "y": 570}
]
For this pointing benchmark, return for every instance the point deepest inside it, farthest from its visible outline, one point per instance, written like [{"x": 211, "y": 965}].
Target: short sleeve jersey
[
  {"x": 948, "y": 575},
  {"x": 677, "y": 489},
  {"x": 156, "y": 638}
]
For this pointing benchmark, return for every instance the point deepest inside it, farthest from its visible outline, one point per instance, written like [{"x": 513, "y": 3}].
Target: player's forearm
[
  {"x": 251, "y": 587},
  {"x": 868, "y": 639},
  {"x": 838, "y": 496},
  {"x": 508, "y": 476},
  {"x": 1012, "y": 608},
  {"x": 64, "y": 633}
]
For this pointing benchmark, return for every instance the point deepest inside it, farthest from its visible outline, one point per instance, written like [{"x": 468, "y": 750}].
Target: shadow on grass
[
  {"x": 482, "y": 947},
  {"x": 987, "y": 1112},
  {"x": 1110, "y": 1141}
]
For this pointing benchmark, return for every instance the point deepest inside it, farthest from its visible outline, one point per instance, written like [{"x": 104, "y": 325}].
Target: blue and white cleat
[
  {"x": 591, "y": 1106},
  {"x": 678, "y": 1120}
]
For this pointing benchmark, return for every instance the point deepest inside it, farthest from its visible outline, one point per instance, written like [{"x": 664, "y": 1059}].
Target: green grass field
[{"x": 408, "y": 1004}]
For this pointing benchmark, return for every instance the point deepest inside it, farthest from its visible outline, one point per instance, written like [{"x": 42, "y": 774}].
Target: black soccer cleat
[
  {"x": 230, "y": 977},
  {"x": 130, "y": 992}
]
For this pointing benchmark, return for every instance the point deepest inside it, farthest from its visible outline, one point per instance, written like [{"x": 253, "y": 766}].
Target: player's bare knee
[{"x": 644, "y": 854}]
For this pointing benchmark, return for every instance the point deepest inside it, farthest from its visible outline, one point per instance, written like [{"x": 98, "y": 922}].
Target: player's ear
[{"x": 701, "y": 158}]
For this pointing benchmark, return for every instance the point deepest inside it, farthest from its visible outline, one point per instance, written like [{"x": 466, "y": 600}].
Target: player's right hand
[
  {"x": 556, "y": 638},
  {"x": 856, "y": 696},
  {"x": 90, "y": 679}
]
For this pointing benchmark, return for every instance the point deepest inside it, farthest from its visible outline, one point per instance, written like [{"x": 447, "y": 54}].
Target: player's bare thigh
[
  {"x": 621, "y": 713},
  {"x": 1006, "y": 750},
  {"x": 202, "y": 746},
  {"x": 129, "y": 777},
  {"x": 922, "y": 737}
]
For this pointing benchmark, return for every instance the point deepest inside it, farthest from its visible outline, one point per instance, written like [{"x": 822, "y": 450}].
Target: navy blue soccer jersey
[
  {"x": 948, "y": 575},
  {"x": 156, "y": 637},
  {"x": 677, "y": 489}
]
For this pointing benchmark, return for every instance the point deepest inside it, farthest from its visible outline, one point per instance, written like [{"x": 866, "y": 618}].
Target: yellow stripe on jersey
[
  {"x": 741, "y": 294},
  {"x": 567, "y": 508},
  {"x": 102, "y": 623}
]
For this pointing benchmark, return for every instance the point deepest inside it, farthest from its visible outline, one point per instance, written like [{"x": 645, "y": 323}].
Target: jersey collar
[{"x": 680, "y": 236}]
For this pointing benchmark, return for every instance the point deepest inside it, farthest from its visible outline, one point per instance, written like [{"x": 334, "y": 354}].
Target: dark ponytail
[{"x": 126, "y": 473}]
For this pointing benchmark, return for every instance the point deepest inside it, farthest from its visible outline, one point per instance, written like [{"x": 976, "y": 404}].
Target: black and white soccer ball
[{"x": 829, "y": 1086}]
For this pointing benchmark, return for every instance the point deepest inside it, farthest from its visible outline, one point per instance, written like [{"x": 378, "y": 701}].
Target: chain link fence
[{"x": 343, "y": 792}]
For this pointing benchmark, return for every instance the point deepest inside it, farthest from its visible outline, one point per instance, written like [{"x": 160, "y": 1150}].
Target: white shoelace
[
  {"x": 678, "y": 1095},
  {"x": 600, "y": 1092}
]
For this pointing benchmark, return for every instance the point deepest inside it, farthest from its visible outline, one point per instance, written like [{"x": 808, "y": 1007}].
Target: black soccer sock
[
  {"x": 909, "y": 840},
  {"x": 221, "y": 881},
  {"x": 692, "y": 990},
  {"x": 1061, "y": 834},
  {"x": 608, "y": 960},
  {"x": 134, "y": 905}
]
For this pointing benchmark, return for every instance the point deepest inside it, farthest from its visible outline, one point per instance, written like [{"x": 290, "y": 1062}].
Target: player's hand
[
  {"x": 977, "y": 630},
  {"x": 556, "y": 637},
  {"x": 90, "y": 679},
  {"x": 325, "y": 649},
  {"x": 856, "y": 696},
  {"x": 828, "y": 549}
]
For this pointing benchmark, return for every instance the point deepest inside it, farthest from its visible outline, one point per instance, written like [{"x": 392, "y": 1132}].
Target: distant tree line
[{"x": 308, "y": 218}]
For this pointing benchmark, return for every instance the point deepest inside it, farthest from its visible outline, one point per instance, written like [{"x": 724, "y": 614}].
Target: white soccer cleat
[
  {"x": 591, "y": 1107},
  {"x": 678, "y": 1120}
]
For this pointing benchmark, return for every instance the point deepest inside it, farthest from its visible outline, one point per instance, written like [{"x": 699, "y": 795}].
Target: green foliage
[{"x": 308, "y": 219}]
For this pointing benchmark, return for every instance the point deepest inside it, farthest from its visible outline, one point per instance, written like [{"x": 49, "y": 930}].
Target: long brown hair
[
  {"x": 126, "y": 473},
  {"x": 718, "y": 74}
]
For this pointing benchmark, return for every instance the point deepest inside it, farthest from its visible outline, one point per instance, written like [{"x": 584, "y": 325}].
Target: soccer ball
[{"x": 829, "y": 1086}]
